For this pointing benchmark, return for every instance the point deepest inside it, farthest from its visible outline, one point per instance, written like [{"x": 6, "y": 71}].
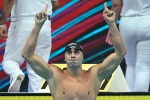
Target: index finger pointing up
[
  {"x": 45, "y": 9},
  {"x": 105, "y": 6}
]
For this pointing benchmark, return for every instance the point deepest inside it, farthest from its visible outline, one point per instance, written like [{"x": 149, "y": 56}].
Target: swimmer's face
[{"x": 73, "y": 57}]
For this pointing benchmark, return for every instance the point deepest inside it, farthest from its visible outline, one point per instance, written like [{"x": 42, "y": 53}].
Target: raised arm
[
  {"x": 37, "y": 64},
  {"x": 6, "y": 9},
  {"x": 55, "y": 4},
  {"x": 108, "y": 66}
]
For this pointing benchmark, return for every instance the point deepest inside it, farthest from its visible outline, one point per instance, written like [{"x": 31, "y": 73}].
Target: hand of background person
[
  {"x": 3, "y": 32},
  {"x": 108, "y": 39},
  {"x": 41, "y": 17}
]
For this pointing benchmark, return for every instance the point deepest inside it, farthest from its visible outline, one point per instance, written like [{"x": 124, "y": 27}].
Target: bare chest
[{"x": 74, "y": 88}]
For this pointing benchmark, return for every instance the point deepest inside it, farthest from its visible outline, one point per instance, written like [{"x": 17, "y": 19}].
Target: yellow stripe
[{"x": 139, "y": 97}]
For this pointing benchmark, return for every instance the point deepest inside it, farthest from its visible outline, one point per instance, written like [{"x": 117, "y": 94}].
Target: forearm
[
  {"x": 55, "y": 4},
  {"x": 32, "y": 41},
  {"x": 6, "y": 9},
  {"x": 117, "y": 40},
  {"x": 36, "y": 63}
]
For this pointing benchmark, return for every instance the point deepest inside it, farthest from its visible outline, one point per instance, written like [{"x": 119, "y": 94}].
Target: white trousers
[
  {"x": 17, "y": 36},
  {"x": 136, "y": 35}
]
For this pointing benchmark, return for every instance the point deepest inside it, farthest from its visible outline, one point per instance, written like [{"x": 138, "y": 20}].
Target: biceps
[
  {"x": 112, "y": 60},
  {"x": 110, "y": 64},
  {"x": 39, "y": 66}
]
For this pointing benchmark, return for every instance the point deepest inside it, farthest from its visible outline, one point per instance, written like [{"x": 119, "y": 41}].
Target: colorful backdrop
[{"x": 75, "y": 20}]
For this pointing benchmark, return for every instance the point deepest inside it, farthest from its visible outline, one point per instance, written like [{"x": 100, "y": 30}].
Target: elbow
[
  {"x": 123, "y": 53},
  {"x": 26, "y": 56}
]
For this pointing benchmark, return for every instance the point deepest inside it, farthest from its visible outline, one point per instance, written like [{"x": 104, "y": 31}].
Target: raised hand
[
  {"x": 42, "y": 16},
  {"x": 109, "y": 39},
  {"x": 3, "y": 32},
  {"x": 108, "y": 15}
]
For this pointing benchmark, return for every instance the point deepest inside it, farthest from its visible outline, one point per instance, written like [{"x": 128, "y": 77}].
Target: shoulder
[
  {"x": 94, "y": 68},
  {"x": 55, "y": 68}
]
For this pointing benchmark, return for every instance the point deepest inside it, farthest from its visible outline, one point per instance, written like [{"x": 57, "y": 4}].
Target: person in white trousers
[
  {"x": 135, "y": 29},
  {"x": 22, "y": 21}
]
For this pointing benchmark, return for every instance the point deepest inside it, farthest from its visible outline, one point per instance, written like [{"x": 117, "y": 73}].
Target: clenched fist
[{"x": 41, "y": 17}]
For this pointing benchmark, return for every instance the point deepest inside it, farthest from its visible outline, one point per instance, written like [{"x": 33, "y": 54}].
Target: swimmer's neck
[{"x": 74, "y": 72}]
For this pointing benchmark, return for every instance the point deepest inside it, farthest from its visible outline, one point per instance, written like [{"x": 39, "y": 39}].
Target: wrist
[
  {"x": 38, "y": 25},
  {"x": 112, "y": 23}
]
